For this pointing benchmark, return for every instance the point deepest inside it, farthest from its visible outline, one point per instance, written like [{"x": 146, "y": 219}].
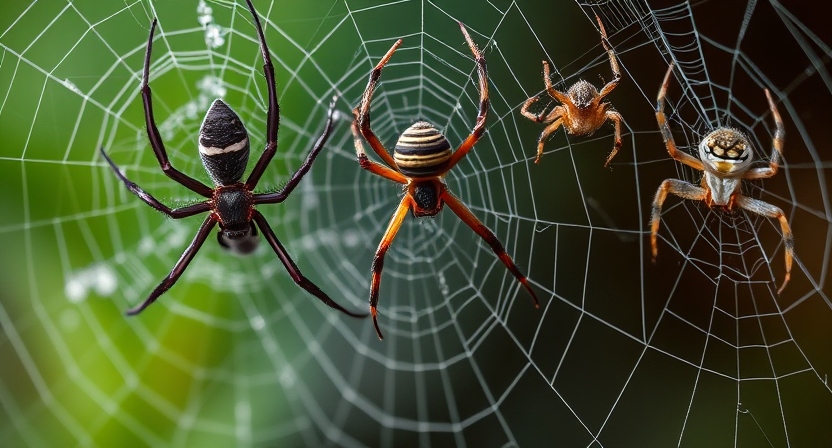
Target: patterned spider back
[
  {"x": 223, "y": 144},
  {"x": 421, "y": 151},
  {"x": 582, "y": 94},
  {"x": 726, "y": 150}
]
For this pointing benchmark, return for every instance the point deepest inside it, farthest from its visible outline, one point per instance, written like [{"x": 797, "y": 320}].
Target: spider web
[{"x": 694, "y": 350}]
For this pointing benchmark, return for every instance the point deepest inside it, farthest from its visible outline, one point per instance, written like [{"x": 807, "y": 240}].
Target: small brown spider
[
  {"x": 581, "y": 111},
  {"x": 725, "y": 157}
]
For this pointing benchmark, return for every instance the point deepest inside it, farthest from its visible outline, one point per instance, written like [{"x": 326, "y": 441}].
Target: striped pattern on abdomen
[{"x": 421, "y": 150}]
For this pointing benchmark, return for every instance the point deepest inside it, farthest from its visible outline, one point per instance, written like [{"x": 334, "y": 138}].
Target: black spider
[{"x": 224, "y": 149}]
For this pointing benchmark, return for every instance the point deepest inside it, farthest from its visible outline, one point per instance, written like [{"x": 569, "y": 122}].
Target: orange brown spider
[
  {"x": 422, "y": 157},
  {"x": 725, "y": 157},
  {"x": 581, "y": 111}
]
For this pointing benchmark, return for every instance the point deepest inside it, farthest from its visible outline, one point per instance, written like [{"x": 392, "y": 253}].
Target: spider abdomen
[
  {"x": 726, "y": 150},
  {"x": 223, "y": 144},
  {"x": 582, "y": 94},
  {"x": 421, "y": 150}
]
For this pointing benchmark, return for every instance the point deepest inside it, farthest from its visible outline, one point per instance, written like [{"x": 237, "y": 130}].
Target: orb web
[{"x": 694, "y": 349}]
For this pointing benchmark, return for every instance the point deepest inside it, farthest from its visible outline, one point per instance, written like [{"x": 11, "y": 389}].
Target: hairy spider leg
[
  {"x": 776, "y": 145},
  {"x": 292, "y": 268},
  {"x": 550, "y": 88},
  {"x": 176, "y": 213},
  {"x": 547, "y": 131},
  {"x": 762, "y": 208},
  {"x": 273, "y": 118},
  {"x": 280, "y": 196},
  {"x": 679, "y": 188},
  {"x": 765, "y": 209},
  {"x": 616, "y": 119},
  {"x": 616, "y": 71},
  {"x": 555, "y": 117},
  {"x": 561, "y": 97},
  {"x": 204, "y": 229},
  {"x": 616, "y": 78},
  {"x": 667, "y": 135},
  {"x": 153, "y": 132}
]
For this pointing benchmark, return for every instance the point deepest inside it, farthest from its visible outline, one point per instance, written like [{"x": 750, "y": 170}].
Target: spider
[
  {"x": 725, "y": 157},
  {"x": 422, "y": 157},
  {"x": 224, "y": 150},
  {"x": 581, "y": 111}
]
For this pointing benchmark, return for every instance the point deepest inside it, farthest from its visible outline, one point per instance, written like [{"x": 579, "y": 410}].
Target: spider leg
[
  {"x": 293, "y": 269},
  {"x": 555, "y": 117},
  {"x": 679, "y": 188},
  {"x": 776, "y": 143},
  {"x": 667, "y": 135},
  {"x": 554, "y": 93},
  {"x": 280, "y": 196},
  {"x": 373, "y": 167},
  {"x": 273, "y": 115},
  {"x": 488, "y": 236},
  {"x": 363, "y": 111},
  {"x": 153, "y": 132},
  {"x": 766, "y": 209},
  {"x": 543, "y": 116},
  {"x": 179, "y": 267},
  {"x": 175, "y": 213},
  {"x": 479, "y": 126},
  {"x": 616, "y": 71},
  {"x": 616, "y": 119},
  {"x": 378, "y": 259},
  {"x": 547, "y": 131},
  {"x": 537, "y": 118}
]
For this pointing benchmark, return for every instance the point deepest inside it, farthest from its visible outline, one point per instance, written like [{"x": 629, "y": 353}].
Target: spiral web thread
[{"x": 696, "y": 349}]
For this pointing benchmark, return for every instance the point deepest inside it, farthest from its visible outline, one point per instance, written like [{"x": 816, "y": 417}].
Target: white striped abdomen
[{"x": 422, "y": 151}]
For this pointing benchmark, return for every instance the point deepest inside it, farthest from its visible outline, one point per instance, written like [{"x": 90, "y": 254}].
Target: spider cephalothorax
[
  {"x": 725, "y": 156},
  {"x": 582, "y": 110},
  {"x": 421, "y": 158},
  {"x": 224, "y": 150}
]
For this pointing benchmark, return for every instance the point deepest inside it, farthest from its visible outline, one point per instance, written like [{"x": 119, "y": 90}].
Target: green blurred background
[{"x": 622, "y": 352}]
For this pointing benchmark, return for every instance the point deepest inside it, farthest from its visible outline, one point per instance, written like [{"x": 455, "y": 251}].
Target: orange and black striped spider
[
  {"x": 422, "y": 157},
  {"x": 725, "y": 157},
  {"x": 581, "y": 111}
]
